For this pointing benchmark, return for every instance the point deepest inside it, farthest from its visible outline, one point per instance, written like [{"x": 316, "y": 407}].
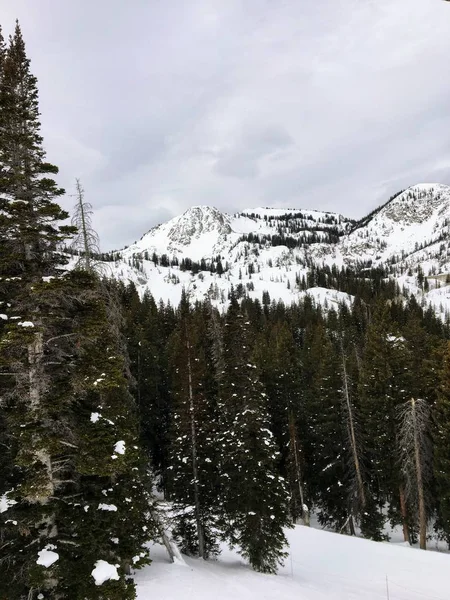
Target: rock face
[
  {"x": 197, "y": 233},
  {"x": 415, "y": 219},
  {"x": 196, "y": 222},
  {"x": 267, "y": 249}
]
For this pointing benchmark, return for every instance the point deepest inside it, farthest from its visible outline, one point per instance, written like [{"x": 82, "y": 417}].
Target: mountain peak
[
  {"x": 196, "y": 222},
  {"x": 196, "y": 233}
]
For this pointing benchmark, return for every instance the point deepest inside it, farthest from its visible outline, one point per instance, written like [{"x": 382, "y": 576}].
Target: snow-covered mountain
[
  {"x": 411, "y": 228},
  {"x": 205, "y": 232},
  {"x": 271, "y": 250}
]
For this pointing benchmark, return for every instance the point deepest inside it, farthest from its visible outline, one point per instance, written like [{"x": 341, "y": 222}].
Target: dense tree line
[{"x": 331, "y": 385}]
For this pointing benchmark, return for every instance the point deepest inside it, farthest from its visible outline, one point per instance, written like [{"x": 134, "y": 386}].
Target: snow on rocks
[{"x": 104, "y": 571}]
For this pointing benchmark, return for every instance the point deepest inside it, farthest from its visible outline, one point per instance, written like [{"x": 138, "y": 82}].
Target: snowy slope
[
  {"x": 321, "y": 566},
  {"x": 418, "y": 217},
  {"x": 200, "y": 231},
  {"x": 269, "y": 249},
  {"x": 204, "y": 231}
]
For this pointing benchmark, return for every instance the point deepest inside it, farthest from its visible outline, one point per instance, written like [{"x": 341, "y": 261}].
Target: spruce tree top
[{"x": 29, "y": 215}]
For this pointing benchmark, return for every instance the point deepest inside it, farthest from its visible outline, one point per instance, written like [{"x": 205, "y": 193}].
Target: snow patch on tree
[
  {"x": 5, "y": 503},
  {"x": 104, "y": 571},
  {"x": 119, "y": 447},
  {"x": 108, "y": 507},
  {"x": 47, "y": 556},
  {"x": 95, "y": 416}
]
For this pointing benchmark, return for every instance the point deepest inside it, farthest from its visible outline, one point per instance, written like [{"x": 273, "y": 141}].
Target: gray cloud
[
  {"x": 242, "y": 157},
  {"x": 160, "y": 105}
]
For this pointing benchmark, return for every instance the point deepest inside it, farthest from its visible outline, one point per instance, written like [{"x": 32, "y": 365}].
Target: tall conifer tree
[
  {"x": 383, "y": 387},
  {"x": 193, "y": 455},
  {"x": 442, "y": 447},
  {"x": 69, "y": 416},
  {"x": 255, "y": 496}
]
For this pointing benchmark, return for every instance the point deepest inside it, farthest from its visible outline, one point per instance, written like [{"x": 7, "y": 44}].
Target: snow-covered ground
[{"x": 321, "y": 566}]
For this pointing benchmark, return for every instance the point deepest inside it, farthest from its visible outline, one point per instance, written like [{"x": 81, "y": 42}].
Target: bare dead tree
[
  {"x": 86, "y": 241},
  {"x": 357, "y": 489},
  {"x": 295, "y": 455},
  {"x": 351, "y": 429},
  {"x": 415, "y": 458}
]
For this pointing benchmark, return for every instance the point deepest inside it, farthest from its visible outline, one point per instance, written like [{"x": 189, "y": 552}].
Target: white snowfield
[{"x": 321, "y": 566}]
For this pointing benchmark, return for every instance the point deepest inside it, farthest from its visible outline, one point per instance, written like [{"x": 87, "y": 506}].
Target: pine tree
[
  {"x": 110, "y": 515},
  {"x": 384, "y": 386},
  {"x": 326, "y": 442},
  {"x": 29, "y": 235},
  {"x": 255, "y": 496},
  {"x": 68, "y": 414},
  {"x": 353, "y": 433},
  {"x": 146, "y": 344},
  {"x": 193, "y": 454},
  {"x": 280, "y": 373},
  {"x": 442, "y": 447},
  {"x": 415, "y": 458}
]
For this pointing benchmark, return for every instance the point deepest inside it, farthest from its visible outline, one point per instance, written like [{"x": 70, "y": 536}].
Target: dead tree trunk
[
  {"x": 171, "y": 547},
  {"x": 35, "y": 382},
  {"x": 414, "y": 451},
  {"x": 295, "y": 452},
  {"x": 46, "y": 488},
  {"x": 352, "y": 434},
  {"x": 419, "y": 477},
  {"x": 404, "y": 514},
  {"x": 86, "y": 241},
  {"x": 84, "y": 231}
]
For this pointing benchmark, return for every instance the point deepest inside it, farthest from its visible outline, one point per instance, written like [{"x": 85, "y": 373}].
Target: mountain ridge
[{"x": 271, "y": 250}]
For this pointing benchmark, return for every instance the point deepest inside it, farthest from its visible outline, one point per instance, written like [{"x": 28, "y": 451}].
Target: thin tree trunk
[
  {"x": 47, "y": 527},
  {"x": 298, "y": 471},
  {"x": 351, "y": 428},
  {"x": 35, "y": 357},
  {"x": 84, "y": 230},
  {"x": 200, "y": 533},
  {"x": 404, "y": 514},
  {"x": 419, "y": 477},
  {"x": 171, "y": 547},
  {"x": 351, "y": 524}
]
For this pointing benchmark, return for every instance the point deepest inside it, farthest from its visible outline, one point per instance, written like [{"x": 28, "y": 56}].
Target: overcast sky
[{"x": 159, "y": 105}]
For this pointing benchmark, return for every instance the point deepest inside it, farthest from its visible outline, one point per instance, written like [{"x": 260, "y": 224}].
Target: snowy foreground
[{"x": 321, "y": 565}]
